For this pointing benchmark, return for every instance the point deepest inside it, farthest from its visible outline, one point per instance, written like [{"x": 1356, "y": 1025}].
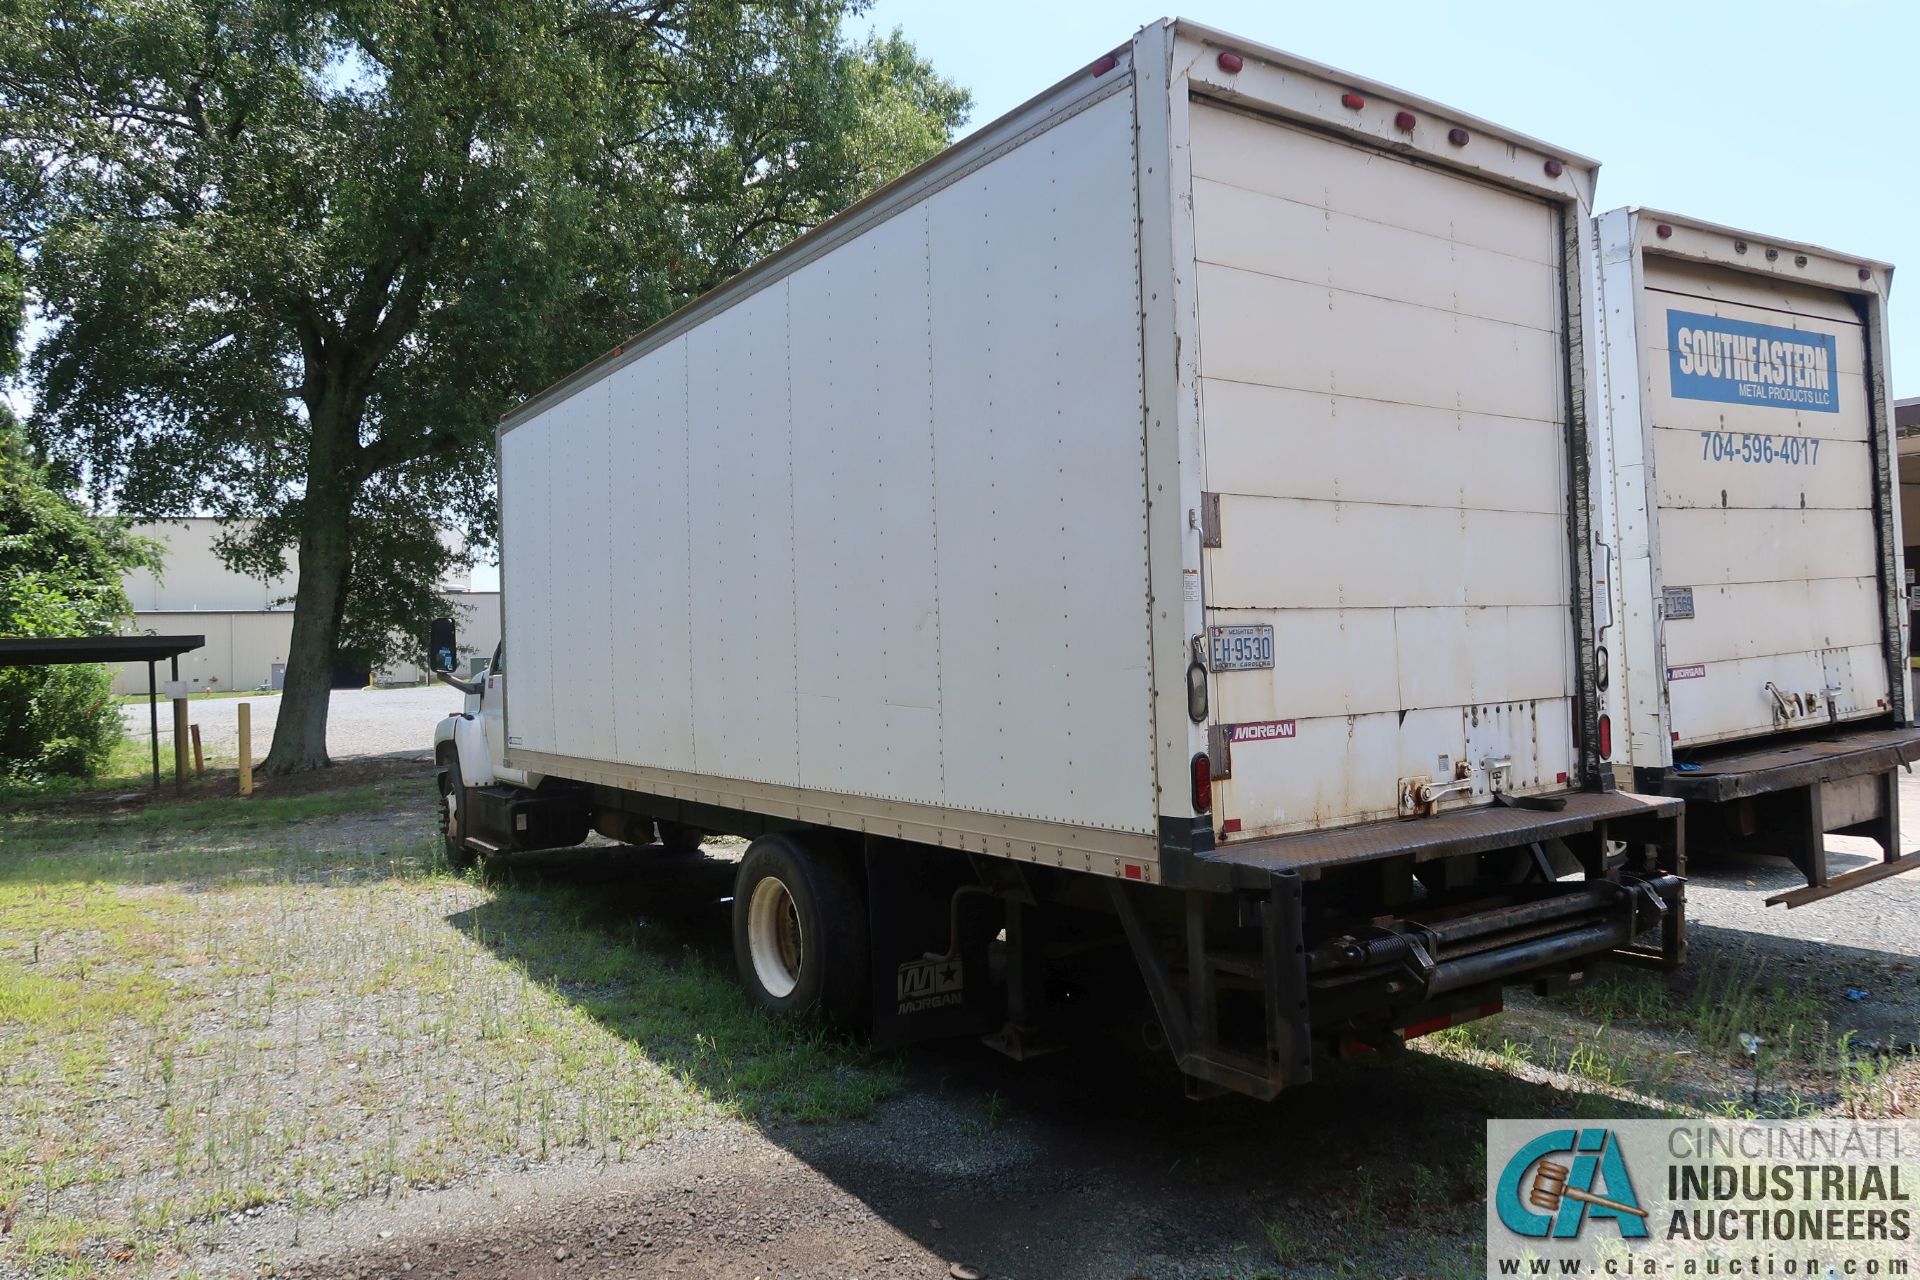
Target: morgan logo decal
[
  {"x": 1260, "y": 731},
  {"x": 930, "y": 984},
  {"x": 1695, "y": 671}
]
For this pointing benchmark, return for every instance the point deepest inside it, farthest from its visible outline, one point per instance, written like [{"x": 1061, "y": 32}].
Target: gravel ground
[
  {"x": 360, "y": 722},
  {"x": 1086, "y": 1163},
  {"x": 1731, "y": 893}
]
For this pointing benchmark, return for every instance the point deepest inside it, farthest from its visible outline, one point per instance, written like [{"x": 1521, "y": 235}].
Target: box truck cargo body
[
  {"x": 1759, "y": 634},
  {"x": 1162, "y": 518}
]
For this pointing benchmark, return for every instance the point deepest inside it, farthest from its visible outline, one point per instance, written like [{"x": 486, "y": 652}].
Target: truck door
[
  {"x": 1384, "y": 421},
  {"x": 493, "y": 707},
  {"x": 1771, "y": 606}
]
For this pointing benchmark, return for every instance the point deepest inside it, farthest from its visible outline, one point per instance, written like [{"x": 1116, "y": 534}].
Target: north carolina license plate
[{"x": 1241, "y": 648}]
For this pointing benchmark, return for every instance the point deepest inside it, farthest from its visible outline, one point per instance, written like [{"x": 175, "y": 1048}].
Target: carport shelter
[{"x": 147, "y": 649}]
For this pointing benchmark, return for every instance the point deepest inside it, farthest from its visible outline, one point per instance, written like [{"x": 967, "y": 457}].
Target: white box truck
[
  {"x": 1156, "y": 528},
  {"x": 1758, "y": 640}
]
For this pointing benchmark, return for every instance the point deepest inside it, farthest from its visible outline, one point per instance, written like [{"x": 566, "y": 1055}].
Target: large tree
[{"x": 297, "y": 258}]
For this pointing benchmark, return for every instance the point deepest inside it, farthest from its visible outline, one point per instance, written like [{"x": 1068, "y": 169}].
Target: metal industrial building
[{"x": 248, "y": 622}]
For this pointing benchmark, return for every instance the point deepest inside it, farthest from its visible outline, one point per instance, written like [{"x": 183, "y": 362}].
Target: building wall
[
  {"x": 476, "y": 620},
  {"x": 195, "y": 578},
  {"x": 248, "y": 622},
  {"x": 243, "y": 646}
]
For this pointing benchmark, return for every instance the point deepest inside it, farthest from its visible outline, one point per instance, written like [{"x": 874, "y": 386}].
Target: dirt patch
[{"x": 223, "y": 784}]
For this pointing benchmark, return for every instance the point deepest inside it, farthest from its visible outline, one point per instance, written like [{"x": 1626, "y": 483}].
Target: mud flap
[{"x": 931, "y": 924}]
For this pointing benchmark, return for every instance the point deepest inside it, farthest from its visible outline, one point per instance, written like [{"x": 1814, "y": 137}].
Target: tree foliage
[
  {"x": 60, "y": 571},
  {"x": 297, "y": 258}
]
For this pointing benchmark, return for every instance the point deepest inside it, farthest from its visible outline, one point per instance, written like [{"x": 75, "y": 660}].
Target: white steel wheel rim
[{"x": 773, "y": 937}]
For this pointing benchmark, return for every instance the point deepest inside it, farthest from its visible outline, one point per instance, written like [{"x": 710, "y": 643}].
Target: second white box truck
[
  {"x": 1154, "y": 530},
  {"x": 1758, "y": 643}
]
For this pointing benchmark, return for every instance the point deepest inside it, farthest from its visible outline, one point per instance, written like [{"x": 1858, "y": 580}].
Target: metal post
[
  {"x": 246, "y": 749},
  {"x": 153, "y": 719}
]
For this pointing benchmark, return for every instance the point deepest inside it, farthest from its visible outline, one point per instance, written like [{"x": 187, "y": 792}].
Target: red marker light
[
  {"x": 1606, "y": 736},
  {"x": 1554, "y": 168},
  {"x": 1352, "y": 101},
  {"x": 1230, "y": 62},
  {"x": 1664, "y": 231},
  {"x": 1865, "y": 274},
  {"x": 1403, "y": 121},
  {"x": 1202, "y": 783},
  {"x": 1457, "y": 136},
  {"x": 1105, "y": 65}
]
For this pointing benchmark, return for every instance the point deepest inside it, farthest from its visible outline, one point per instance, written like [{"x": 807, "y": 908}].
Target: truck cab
[{"x": 488, "y": 806}]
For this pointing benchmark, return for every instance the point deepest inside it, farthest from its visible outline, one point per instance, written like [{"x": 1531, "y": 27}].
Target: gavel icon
[{"x": 1550, "y": 1188}]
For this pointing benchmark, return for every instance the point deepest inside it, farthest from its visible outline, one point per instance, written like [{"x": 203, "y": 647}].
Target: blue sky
[{"x": 1797, "y": 120}]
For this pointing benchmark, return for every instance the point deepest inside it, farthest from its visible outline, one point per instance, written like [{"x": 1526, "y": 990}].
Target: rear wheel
[
  {"x": 800, "y": 930},
  {"x": 453, "y": 817}
]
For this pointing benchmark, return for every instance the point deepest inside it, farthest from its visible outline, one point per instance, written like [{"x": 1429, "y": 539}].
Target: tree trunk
[{"x": 325, "y": 566}]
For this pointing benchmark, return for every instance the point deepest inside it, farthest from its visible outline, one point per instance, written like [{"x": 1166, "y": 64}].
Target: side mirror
[{"x": 441, "y": 647}]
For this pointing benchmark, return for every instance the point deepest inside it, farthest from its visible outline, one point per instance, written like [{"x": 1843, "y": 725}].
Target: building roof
[
  {"x": 43, "y": 653},
  {"x": 1906, "y": 416}
]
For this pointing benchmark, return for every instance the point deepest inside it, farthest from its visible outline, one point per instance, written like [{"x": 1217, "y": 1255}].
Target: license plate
[{"x": 1241, "y": 648}]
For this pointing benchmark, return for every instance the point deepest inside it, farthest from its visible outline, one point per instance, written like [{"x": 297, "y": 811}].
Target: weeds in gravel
[
  {"x": 1727, "y": 997},
  {"x": 1679, "y": 1037},
  {"x": 215, "y": 1005}
]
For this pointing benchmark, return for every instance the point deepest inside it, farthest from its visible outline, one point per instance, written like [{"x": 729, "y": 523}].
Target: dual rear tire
[{"x": 800, "y": 930}]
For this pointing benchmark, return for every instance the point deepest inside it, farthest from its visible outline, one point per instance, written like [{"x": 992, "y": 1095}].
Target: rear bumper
[
  {"x": 1616, "y": 815},
  {"x": 1390, "y": 949},
  {"x": 1803, "y": 762}
]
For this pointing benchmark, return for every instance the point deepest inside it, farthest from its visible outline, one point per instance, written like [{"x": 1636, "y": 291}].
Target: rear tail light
[
  {"x": 1606, "y": 737},
  {"x": 1202, "y": 784}
]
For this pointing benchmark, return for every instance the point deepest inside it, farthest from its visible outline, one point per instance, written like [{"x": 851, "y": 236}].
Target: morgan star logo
[{"x": 1539, "y": 1197}]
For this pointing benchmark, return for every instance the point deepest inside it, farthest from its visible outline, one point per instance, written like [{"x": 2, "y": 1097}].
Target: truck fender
[{"x": 470, "y": 742}]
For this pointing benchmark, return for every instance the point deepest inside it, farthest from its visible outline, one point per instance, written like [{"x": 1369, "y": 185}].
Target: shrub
[{"x": 60, "y": 570}]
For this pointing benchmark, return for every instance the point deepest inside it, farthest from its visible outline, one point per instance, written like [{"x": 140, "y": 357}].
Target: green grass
[
  {"x": 129, "y": 767},
  {"x": 215, "y": 1003}
]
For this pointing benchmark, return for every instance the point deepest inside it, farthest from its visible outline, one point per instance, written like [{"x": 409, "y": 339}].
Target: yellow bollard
[
  {"x": 179, "y": 743},
  {"x": 246, "y": 749}
]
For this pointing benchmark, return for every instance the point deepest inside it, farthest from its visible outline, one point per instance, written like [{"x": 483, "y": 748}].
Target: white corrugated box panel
[{"x": 876, "y": 529}]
